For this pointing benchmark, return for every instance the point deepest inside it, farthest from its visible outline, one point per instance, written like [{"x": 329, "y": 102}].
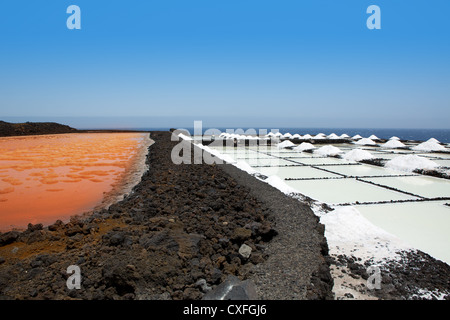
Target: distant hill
[{"x": 33, "y": 128}]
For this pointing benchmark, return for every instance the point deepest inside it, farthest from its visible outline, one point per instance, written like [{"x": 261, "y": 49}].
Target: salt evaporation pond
[
  {"x": 424, "y": 186},
  {"x": 424, "y": 225},
  {"x": 343, "y": 191},
  {"x": 49, "y": 177},
  {"x": 324, "y": 161},
  {"x": 304, "y": 172},
  {"x": 363, "y": 171},
  {"x": 396, "y": 201}
]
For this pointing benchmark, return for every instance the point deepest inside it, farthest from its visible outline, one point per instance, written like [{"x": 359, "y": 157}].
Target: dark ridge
[{"x": 8, "y": 129}]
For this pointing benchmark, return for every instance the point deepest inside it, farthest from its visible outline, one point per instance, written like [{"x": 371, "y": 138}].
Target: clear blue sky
[{"x": 309, "y": 63}]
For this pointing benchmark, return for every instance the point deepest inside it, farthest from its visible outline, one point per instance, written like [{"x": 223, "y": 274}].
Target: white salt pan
[{"x": 347, "y": 229}]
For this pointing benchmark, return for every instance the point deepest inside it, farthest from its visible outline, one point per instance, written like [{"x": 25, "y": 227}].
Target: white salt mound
[
  {"x": 357, "y": 155},
  {"x": 304, "y": 146},
  {"x": 433, "y": 140},
  {"x": 374, "y": 137},
  {"x": 285, "y": 144},
  {"x": 365, "y": 142},
  {"x": 307, "y": 136},
  {"x": 333, "y": 136},
  {"x": 320, "y": 136},
  {"x": 328, "y": 151},
  {"x": 410, "y": 163},
  {"x": 393, "y": 144},
  {"x": 344, "y": 136},
  {"x": 356, "y": 137},
  {"x": 394, "y": 138},
  {"x": 429, "y": 146}
]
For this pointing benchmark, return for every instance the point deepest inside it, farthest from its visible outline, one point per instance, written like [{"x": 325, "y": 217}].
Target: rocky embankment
[
  {"x": 184, "y": 230},
  {"x": 8, "y": 129}
]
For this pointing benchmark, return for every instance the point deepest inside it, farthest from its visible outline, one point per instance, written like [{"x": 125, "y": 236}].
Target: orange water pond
[{"x": 50, "y": 177}]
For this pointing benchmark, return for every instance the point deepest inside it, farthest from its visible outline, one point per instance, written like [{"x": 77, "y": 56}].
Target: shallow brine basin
[
  {"x": 424, "y": 186},
  {"x": 233, "y": 150},
  {"x": 424, "y": 225},
  {"x": 45, "y": 178},
  {"x": 254, "y": 155},
  {"x": 296, "y": 155},
  {"x": 303, "y": 172},
  {"x": 347, "y": 190},
  {"x": 363, "y": 170},
  {"x": 275, "y": 162},
  {"x": 323, "y": 161}
]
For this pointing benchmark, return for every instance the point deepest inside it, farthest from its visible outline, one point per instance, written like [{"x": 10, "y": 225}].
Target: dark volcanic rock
[
  {"x": 8, "y": 237},
  {"x": 182, "y": 223},
  {"x": 33, "y": 128}
]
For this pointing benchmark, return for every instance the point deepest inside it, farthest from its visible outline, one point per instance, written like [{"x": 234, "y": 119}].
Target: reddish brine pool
[{"x": 50, "y": 177}]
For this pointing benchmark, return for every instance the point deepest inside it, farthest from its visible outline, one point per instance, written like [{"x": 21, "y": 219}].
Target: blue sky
[{"x": 284, "y": 63}]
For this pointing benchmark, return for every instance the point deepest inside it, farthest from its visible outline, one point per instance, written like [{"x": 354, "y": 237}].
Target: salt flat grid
[
  {"x": 408, "y": 205},
  {"x": 423, "y": 186},
  {"x": 346, "y": 191},
  {"x": 365, "y": 170},
  {"x": 302, "y": 172},
  {"x": 291, "y": 166}
]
